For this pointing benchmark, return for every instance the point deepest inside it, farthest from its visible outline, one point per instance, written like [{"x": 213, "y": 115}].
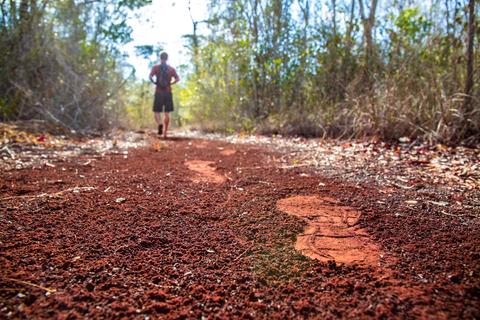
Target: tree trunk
[
  {"x": 469, "y": 80},
  {"x": 347, "y": 63},
  {"x": 256, "y": 74},
  {"x": 334, "y": 18},
  {"x": 194, "y": 39},
  {"x": 368, "y": 24}
]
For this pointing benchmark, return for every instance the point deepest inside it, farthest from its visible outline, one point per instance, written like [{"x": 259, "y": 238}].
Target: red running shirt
[{"x": 171, "y": 72}]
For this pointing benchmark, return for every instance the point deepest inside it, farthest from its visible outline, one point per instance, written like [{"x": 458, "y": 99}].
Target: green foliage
[
  {"x": 284, "y": 66},
  {"x": 61, "y": 60},
  {"x": 271, "y": 66},
  {"x": 411, "y": 23},
  {"x": 149, "y": 52},
  {"x": 137, "y": 97},
  {"x": 206, "y": 99}
]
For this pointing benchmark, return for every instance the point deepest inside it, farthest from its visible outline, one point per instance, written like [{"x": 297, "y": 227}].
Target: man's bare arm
[
  {"x": 176, "y": 79},
  {"x": 151, "y": 79},
  {"x": 152, "y": 73}
]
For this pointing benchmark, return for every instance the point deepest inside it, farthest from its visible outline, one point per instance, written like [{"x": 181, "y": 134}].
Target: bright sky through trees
[{"x": 163, "y": 22}]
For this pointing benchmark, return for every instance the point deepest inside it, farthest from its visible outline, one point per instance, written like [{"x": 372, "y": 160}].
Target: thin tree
[
  {"x": 368, "y": 23},
  {"x": 470, "y": 58}
]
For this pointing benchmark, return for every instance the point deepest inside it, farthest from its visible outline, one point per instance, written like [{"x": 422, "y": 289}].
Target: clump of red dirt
[
  {"x": 205, "y": 171},
  {"x": 227, "y": 152},
  {"x": 331, "y": 232}
]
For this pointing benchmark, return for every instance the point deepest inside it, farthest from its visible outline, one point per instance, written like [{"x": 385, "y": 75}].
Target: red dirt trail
[{"x": 205, "y": 229}]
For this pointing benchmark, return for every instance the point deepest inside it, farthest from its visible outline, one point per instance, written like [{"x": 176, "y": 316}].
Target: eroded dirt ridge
[{"x": 332, "y": 232}]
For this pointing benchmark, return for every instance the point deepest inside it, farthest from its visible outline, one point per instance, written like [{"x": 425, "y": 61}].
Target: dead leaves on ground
[{"x": 21, "y": 149}]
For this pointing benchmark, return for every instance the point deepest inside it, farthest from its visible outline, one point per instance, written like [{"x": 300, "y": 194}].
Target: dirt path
[{"x": 190, "y": 229}]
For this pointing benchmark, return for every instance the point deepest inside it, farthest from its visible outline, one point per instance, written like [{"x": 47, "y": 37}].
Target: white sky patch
[{"x": 163, "y": 22}]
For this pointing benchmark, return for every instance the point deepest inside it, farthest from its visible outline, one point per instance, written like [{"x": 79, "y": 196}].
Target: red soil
[{"x": 130, "y": 236}]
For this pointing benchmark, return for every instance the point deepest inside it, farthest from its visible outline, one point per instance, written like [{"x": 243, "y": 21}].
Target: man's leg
[
  {"x": 157, "y": 101},
  {"x": 166, "y": 122},
  {"x": 158, "y": 120},
  {"x": 158, "y": 117}
]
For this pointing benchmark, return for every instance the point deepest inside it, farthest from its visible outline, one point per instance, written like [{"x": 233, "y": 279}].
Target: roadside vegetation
[
  {"x": 61, "y": 62},
  {"x": 339, "y": 68}
]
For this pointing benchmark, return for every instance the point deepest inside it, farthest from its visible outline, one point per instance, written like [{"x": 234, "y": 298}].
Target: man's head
[{"x": 163, "y": 57}]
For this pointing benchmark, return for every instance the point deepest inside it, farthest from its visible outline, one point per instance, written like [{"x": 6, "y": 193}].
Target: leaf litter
[{"x": 432, "y": 174}]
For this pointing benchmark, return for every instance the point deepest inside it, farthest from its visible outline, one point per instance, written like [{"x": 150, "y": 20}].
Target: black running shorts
[{"x": 163, "y": 102}]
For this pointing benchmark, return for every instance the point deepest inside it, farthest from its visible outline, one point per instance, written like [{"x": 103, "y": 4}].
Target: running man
[{"x": 163, "y": 101}]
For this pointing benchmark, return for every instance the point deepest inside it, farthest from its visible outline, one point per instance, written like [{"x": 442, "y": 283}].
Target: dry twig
[
  {"x": 50, "y": 195},
  {"x": 32, "y": 285}
]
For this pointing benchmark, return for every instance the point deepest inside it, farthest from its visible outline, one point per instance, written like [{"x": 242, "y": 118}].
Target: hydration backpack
[{"x": 163, "y": 79}]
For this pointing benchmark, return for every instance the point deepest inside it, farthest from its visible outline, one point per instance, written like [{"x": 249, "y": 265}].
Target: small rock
[
  {"x": 89, "y": 286},
  {"x": 455, "y": 278}
]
